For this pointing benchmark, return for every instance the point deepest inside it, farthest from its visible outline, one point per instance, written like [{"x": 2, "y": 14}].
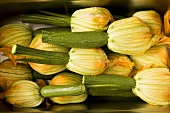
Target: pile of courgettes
[{"x": 133, "y": 36}]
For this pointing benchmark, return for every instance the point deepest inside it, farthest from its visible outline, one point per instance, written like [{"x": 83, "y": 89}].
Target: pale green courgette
[{"x": 62, "y": 90}]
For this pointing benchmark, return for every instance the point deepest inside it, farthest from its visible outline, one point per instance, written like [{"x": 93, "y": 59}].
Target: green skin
[{"x": 62, "y": 90}]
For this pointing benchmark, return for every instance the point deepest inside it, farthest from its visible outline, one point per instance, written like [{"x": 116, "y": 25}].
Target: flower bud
[
  {"x": 129, "y": 36},
  {"x": 92, "y": 61},
  {"x": 24, "y": 93},
  {"x": 12, "y": 34},
  {"x": 153, "y": 86},
  {"x": 166, "y": 22},
  {"x": 9, "y": 73},
  {"x": 119, "y": 65},
  {"x": 156, "y": 57},
  {"x": 152, "y": 19},
  {"x": 91, "y": 19}
]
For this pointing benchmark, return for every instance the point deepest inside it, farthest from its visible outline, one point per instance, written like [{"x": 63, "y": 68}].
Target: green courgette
[
  {"x": 62, "y": 90},
  {"x": 109, "y": 85},
  {"x": 118, "y": 81},
  {"x": 91, "y": 39},
  {"x": 28, "y": 54}
]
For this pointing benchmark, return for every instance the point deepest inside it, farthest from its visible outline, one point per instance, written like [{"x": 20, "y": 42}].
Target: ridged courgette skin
[
  {"x": 46, "y": 19},
  {"x": 91, "y": 39}
]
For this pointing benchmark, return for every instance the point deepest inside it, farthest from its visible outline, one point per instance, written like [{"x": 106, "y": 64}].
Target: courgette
[
  {"x": 109, "y": 85},
  {"x": 62, "y": 90},
  {"x": 91, "y": 39},
  {"x": 124, "y": 82},
  {"x": 28, "y": 54}
]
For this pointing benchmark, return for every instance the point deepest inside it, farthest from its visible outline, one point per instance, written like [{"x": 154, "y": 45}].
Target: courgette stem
[
  {"x": 47, "y": 18},
  {"x": 40, "y": 56},
  {"x": 62, "y": 90},
  {"x": 54, "y": 14},
  {"x": 109, "y": 85}
]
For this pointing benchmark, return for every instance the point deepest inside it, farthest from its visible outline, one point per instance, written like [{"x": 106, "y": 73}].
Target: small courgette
[{"x": 62, "y": 90}]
